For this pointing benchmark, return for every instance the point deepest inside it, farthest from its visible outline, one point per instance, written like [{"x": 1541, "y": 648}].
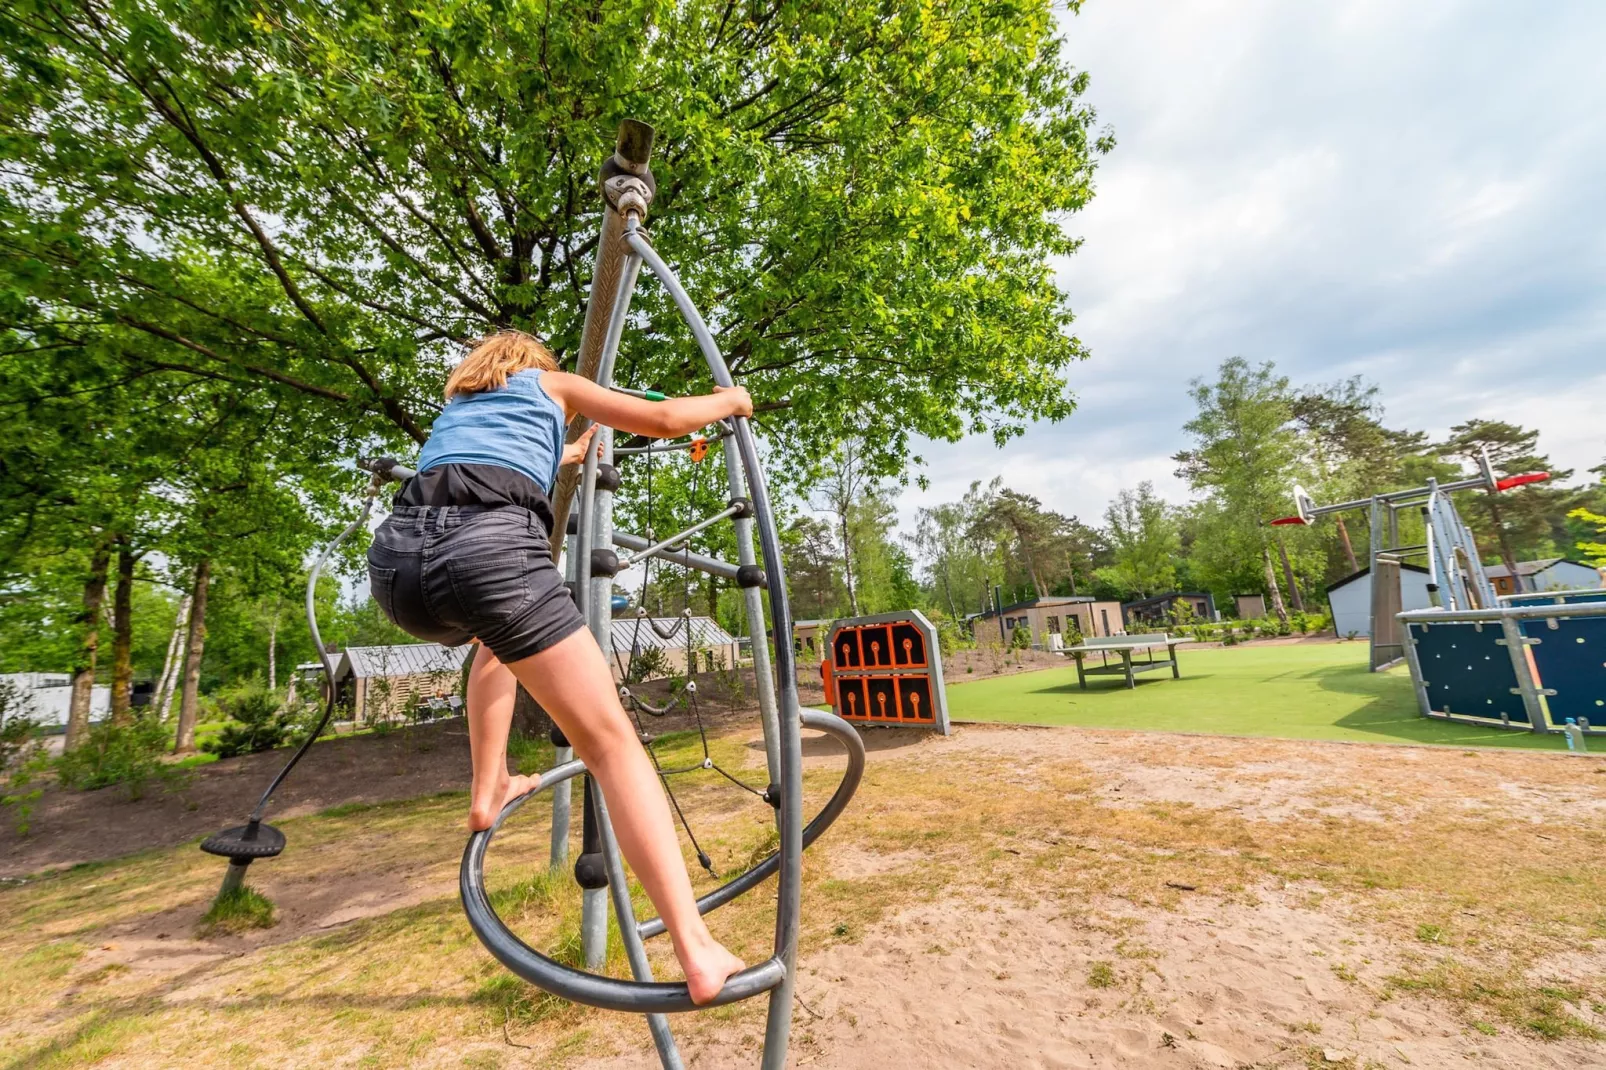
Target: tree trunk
[
  {"x": 273, "y": 649},
  {"x": 162, "y": 702},
  {"x": 1349, "y": 550},
  {"x": 1288, "y": 575},
  {"x": 1272, "y": 588},
  {"x": 847, "y": 564},
  {"x": 1507, "y": 555},
  {"x": 123, "y": 634},
  {"x": 189, "y": 705},
  {"x": 83, "y": 677}
]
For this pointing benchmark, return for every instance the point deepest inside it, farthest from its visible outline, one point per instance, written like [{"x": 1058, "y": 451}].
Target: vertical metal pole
[
  {"x": 562, "y": 797},
  {"x": 1414, "y": 661},
  {"x": 593, "y": 901},
  {"x": 753, "y": 606},
  {"x": 1517, "y": 647},
  {"x": 1377, "y": 534}
]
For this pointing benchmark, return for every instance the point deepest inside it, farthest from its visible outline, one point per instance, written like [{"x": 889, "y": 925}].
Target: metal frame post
[{"x": 562, "y": 797}]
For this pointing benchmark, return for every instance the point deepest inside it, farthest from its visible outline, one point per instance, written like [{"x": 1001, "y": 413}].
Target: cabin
[
  {"x": 1550, "y": 574},
  {"x": 1350, "y": 599},
  {"x": 1056, "y": 615},
  {"x": 388, "y": 683},
  {"x": 1166, "y": 608},
  {"x": 711, "y": 648},
  {"x": 1249, "y": 606}
]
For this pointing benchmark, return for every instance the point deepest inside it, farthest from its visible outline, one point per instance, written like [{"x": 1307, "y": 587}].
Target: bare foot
[
  {"x": 706, "y": 970},
  {"x": 482, "y": 812}
]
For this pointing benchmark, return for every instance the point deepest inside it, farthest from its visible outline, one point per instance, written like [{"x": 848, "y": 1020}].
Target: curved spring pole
[
  {"x": 317, "y": 641},
  {"x": 778, "y": 1028}
]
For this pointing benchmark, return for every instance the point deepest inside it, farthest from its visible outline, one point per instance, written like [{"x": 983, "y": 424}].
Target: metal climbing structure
[
  {"x": 592, "y": 558},
  {"x": 596, "y": 553},
  {"x": 1456, "y": 579}
]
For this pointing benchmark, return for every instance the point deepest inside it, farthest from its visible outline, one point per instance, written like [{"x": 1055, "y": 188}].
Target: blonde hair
[{"x": 494, "y": 358}]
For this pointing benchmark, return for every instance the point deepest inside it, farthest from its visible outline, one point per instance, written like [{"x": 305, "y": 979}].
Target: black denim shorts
[{"x": 453, "y": 574}]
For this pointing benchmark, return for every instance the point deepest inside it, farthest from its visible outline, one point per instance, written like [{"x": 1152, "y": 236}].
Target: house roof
[
  {"x": 412, "y": 659},
  {"x": 1034, "y": 603},
  {"x": 628, "y": 634},
  {"x": 1528, "y": 568},
  {"x": 1353, "y": 576}
]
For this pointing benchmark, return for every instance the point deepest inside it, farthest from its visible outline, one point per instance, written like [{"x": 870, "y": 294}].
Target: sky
[{"x": 1412, "y": 192}]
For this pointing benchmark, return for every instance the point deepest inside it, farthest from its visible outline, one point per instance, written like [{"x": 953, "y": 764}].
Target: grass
[
  {"x": 1310, "y": 691},
  {"x": 238, "y": 911}
]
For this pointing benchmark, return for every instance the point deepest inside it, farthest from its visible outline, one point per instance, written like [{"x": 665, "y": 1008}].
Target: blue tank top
[{"x": 518, "y": 427}]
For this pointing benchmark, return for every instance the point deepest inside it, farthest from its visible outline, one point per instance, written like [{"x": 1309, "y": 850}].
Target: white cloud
[{"x": 1405, "y": 191}]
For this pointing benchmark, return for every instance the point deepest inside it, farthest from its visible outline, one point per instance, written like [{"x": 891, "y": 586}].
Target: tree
[
  {"x": 322, "y": 201},
  {"x": 1144, "y": 541},
  {"x": 1526, "y": 521},
  {"x": 1244, "y": 455},
  {"x": 843, "y": 481},
  {"x": 811, "y": 567}
]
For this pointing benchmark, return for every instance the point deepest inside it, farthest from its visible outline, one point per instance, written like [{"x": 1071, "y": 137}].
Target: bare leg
[
  {"x": 491, "y": 690},
  {"x": 571, "y": 680}
]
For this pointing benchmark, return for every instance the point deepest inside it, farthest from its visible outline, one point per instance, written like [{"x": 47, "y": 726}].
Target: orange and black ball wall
[{"x": 886, "y": 669}]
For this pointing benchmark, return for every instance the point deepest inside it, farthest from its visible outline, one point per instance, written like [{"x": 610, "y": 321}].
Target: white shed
[
  {"x": 1351, "y": 598},
  {"x": 1550, "y": 574},
  {"x": 48, "y": 696}
]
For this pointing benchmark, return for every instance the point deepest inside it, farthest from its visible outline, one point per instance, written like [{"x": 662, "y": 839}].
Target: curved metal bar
[
  {"x": 845, "y": 733},
  {"x": 789, "y": 894},
  {"x": 317, "y": 641},
  {"x": 635, "y": 997}
]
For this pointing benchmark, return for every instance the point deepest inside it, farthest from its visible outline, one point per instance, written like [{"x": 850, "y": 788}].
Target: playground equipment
[
  {"x": 886, "y": 669},
  {"x": 591, "y": 562},
  {"x": 1539, "y": 667},
  {"x": 1456, "y": 578}
]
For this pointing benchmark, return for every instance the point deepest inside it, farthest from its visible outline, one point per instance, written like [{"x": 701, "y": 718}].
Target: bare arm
[{"x": 655, "y": 419}]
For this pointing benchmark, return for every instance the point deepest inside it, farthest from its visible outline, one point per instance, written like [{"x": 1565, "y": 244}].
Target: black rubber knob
[
  {"x": 751, "y": 576},
  {"x": 607, "y": 478},
  {"x": 604, "y": 562},
  {"x": 557, "y": 737},
  {"x": 743, "y": 507},
  {"x": 590, "y": 873}
]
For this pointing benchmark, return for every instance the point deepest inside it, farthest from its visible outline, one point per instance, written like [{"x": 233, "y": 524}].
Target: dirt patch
[
  {"x": 72, "y": 827},
  {"x": 1006, "y": 896}
]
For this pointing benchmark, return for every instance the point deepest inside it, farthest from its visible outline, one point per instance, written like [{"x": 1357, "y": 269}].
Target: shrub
[
  {"x": 257, "y": 722},
  {"x": 22, "y": 757},
  {"x": 1020, "y": 638},
  {"x": 649, "y": 663},
  {"x": 130, "y": 755}
]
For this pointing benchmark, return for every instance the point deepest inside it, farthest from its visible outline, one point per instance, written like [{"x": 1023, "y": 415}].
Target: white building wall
[
  {"x": 50, "y": 695},
  {"x": 1352, "y": 603}
]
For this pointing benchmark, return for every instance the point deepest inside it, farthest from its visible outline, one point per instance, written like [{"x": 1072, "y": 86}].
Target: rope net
[{"x": 686, "y": 697}]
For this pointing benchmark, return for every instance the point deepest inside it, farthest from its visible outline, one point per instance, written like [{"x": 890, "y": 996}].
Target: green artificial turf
[{"x": 1309, "y": 691}]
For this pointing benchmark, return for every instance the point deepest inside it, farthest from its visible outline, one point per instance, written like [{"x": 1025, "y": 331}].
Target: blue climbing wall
[
  {"x": 1466, "y": 671},
  {"x": 1571, "y": 658}
]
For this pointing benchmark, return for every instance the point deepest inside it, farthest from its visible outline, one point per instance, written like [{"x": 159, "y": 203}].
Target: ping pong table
[{"x": 1126, "y": 646}]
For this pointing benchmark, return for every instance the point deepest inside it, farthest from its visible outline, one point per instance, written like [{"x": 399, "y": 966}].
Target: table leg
[
  {"x": 1081, "y": 677},
  {"x": 1126, "y": 660},
  {"x": 1176, "y": 673}
]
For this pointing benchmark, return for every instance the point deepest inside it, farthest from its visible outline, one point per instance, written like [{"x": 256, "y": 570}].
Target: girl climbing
[{"x": 465, "y": 555}]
